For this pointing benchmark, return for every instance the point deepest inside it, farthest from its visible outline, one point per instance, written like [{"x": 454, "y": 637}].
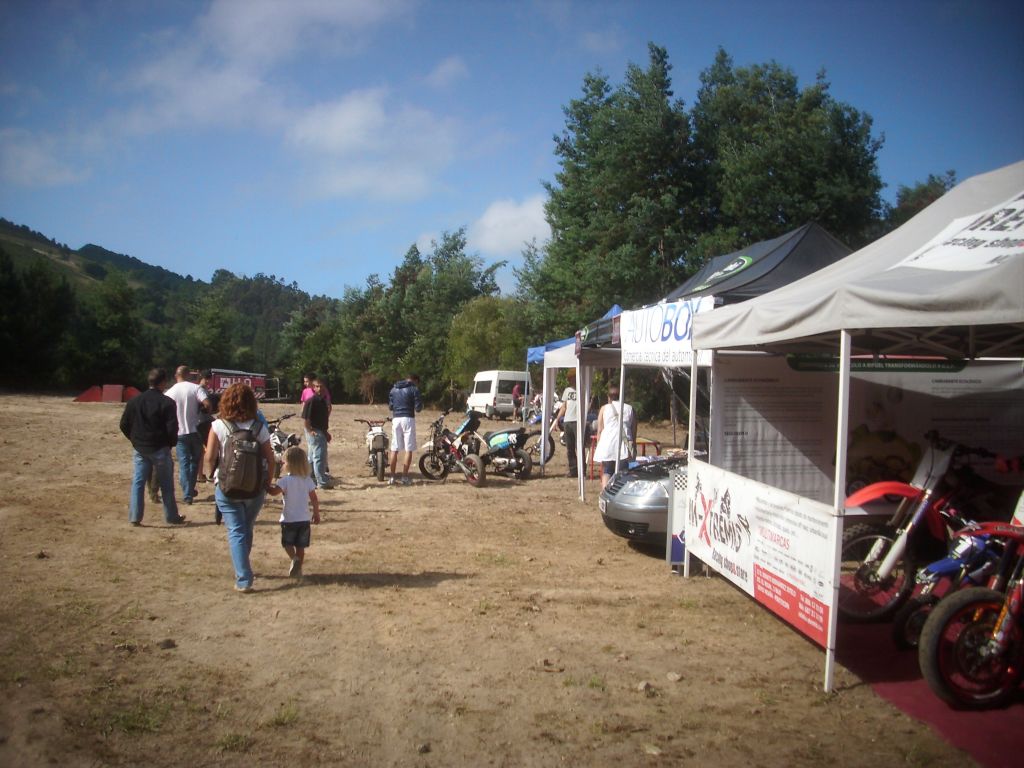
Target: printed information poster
[
  {"x": 774, "y": 418},
  {"x": 774, "y": 545}
]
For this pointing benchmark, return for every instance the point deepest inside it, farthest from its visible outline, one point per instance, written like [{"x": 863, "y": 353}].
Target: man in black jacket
[{"x": 151, "y": 423}]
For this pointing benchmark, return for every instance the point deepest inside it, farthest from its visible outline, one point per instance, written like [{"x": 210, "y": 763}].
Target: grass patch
[
  {"x": 596, "y": 683},
  {"x": 140, "y": 717},
  {"x": 287, "y": 714},
  {"x": 484, "y": 606},
  {"x": 494, "y": 559},
  {"x": 235, "y": 742}
]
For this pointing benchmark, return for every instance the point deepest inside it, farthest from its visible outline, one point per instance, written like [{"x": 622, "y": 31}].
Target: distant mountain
[{"x": 88, "y": 265}]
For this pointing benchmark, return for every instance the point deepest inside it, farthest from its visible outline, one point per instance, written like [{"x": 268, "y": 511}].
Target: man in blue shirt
[{"x": 405, "y": 402}]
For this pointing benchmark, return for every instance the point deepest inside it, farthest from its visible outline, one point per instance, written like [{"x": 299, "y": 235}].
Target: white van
[{"x": 492, "y": 392}]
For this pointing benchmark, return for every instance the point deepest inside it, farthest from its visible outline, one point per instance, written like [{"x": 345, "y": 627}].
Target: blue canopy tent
[{"x": 536, "y": 354}]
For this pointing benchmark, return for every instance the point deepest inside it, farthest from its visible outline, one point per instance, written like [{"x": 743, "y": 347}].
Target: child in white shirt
[{"x": 299, "y": 493}]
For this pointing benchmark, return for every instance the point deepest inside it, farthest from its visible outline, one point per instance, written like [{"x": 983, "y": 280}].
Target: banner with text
[
  {"x": 661, "y": 335},
  {"x": 775, "y": 546}
]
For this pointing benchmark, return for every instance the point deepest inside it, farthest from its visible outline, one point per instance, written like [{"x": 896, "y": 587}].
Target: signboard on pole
[{"x": 662, "y": 335}]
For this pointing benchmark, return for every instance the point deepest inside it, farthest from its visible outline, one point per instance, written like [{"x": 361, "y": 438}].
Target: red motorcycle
[
  {"x": 971, "y": 650},
  {"x": 879, "y": 562}
]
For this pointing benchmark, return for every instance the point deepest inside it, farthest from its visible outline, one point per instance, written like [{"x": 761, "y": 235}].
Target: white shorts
[{"x": 403, "y": 434}]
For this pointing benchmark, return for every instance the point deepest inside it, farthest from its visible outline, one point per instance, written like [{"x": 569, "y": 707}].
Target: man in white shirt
[
  {"x": 188, "y": 399},
  {"x": 569, "y": 415}
]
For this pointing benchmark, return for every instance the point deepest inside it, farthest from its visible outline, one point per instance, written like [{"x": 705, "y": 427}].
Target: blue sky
[{"x": 317, "y": 140}]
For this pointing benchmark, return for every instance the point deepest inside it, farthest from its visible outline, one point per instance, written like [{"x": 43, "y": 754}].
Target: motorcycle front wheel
[
  {"x": 535, "y": 441},
  {"x": 433, "y": 466},
  {"x": 474, "y": 470},
  {"x": 956, "y": 656},
  {"x": 863, "y": 596}
]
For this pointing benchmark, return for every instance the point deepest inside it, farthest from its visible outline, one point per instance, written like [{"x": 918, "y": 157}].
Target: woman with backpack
[{"x": 238, "y": 455}]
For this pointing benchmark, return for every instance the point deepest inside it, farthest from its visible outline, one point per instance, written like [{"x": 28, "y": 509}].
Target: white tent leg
[
  {"x": 691, "y": 441},
  {"x": 839, "y": 496},
  {"x": 582, "y": 403}
]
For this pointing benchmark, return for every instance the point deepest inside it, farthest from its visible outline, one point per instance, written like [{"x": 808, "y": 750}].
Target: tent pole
[
  {"x": 582, "y": 405},
  {"x": 690, "y": 443},
  {"x": 838, "y": 499}
]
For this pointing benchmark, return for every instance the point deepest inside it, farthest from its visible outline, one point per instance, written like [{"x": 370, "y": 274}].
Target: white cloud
[
  {"x": 262, "y": 32},
  {"x": 425, "y": 242},
  {"x": 602, "y": 41},
  {"x": 355, "y": 123},
  {"x": 448, "y": 72},
  {"x": 32, "y": 161},
  {"x": 363, "y": 145},
  {"x": 506, "y": 225}
]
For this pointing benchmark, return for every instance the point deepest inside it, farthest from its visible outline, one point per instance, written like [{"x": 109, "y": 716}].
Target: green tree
[
  {"x": 619, "y": 207},
  {"x": 114, "y": 343},
  {"x": 488, "y": 333},
  {"x": 912, "y": 200},
  {"x": 771, "y": 157}
]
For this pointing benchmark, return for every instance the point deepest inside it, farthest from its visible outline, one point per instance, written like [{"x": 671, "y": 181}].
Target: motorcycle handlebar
[
  {"x": 373, "y": 422},
  {"x": 940, "y": 442}
]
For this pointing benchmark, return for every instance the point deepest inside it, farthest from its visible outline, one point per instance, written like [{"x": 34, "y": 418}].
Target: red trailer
[{"x": 224, "y": 378}]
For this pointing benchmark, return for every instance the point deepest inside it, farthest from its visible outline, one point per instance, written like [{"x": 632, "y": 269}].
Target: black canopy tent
[{"x": 743, "y": 274}]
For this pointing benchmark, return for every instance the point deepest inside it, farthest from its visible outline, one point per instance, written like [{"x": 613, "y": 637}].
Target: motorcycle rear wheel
[
  {"x": 475, "y": 470},
  {"x": 952, "y": 651},
  {"x": 524, "y": 465},
  {"x": 862, "y": 596},
  {"x": 534, "y": 442},
  {"x": 379, "y": 463},
  {"x": 433, "y": 466},
  {"x": 909, "y": 620}
]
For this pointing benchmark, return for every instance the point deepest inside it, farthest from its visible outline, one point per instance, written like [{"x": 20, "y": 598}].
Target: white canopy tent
[
  {"x": 949, "y": 282},
  {"x": 584, "y": 365}
]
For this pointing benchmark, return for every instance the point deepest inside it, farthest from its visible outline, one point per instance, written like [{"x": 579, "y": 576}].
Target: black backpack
[{"x": 240, "y": 474}]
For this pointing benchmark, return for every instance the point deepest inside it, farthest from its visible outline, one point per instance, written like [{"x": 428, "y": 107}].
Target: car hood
[{"x": 659, "y": 467}]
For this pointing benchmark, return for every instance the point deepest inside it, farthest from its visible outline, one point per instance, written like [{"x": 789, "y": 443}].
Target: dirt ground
[{"x": 437, "y": 625}]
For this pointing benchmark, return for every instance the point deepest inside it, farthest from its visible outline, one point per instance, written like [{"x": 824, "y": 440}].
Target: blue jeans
[
  {"x": 190, "y": 453},
  {"x": 318, "y": 456},
  {"x": 239, "y": 521},
  {"x": 144, "y": 464}
]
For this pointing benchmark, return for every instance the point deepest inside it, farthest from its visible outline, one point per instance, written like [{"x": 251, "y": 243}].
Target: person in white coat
[{"x": 616, "y": 434}]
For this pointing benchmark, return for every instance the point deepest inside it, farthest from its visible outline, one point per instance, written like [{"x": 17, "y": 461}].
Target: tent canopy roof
[
  {"x": 764, "y": 266},
  {"x": 962, "y": 309}
]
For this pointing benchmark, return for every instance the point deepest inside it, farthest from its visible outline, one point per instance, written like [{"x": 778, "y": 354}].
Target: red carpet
[{"x": 995, "y": 739}]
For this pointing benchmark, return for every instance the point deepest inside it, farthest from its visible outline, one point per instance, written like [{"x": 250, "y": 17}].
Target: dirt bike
[
  {"x": 971, "y": 562},
  {"x": 376, "y": 446},
  {"x": 504, "y": 451},
  {"x": 878, "y": 561},
  {"x": 971, "y": 651},
  {"x": 445, "y": 451},
  {"x": 280, "y": 441}
]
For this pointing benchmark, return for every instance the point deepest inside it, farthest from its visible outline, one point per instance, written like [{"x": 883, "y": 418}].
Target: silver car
[{"x": 634, "y": 504}]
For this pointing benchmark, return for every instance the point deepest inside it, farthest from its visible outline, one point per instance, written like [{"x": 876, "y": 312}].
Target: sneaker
[
  {"x": 135, "y": 523},
  {"x": 244, "y": 590},
  {"x": 406, "y": 480},
  {"x": 391, "y": 481},
  {"x": 180, "y": 521},
  {"x": 296, "y": 570}
]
